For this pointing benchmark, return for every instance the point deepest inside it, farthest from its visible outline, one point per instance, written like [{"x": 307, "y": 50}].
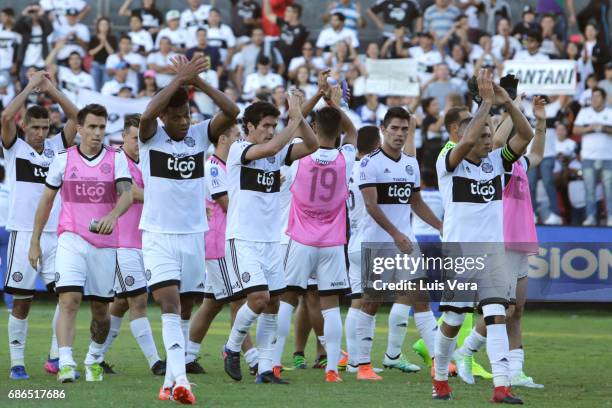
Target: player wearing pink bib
[
  {"x": 317, "y": 228},
  {"x": 130, "y": 280},
  {"x": 95, "y": 184}
]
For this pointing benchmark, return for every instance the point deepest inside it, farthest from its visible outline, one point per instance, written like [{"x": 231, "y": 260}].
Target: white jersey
[
  {"x": 199, "y": 17},
  {"x": 287, "y": 177},
  {"x": 178, "y": 38},
  {"x": 173, "y": 175},
  {"x": 72, "y": 82},
  {"x": 472, "y": 197},
  {"x": 9, "y": 41},
  {"x": 26, "y": 171},
  {"x": 433, "y": 199},
  {"x": 356, "y": 210},
  {"x": 142, "y": 39},
  {"x": 254, "y": 199},
  {"x": 395, "y": 182}
]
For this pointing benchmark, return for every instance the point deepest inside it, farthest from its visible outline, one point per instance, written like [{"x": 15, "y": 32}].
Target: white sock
[
  {"x": 266, "y": 334},
  {"x": 332, "y": 331},
  {"x": 65, "y": 357},
  {"x": 498, "y": 349},
  {"x": 365, "y": 336},
  {"x": 175, "y": 346},
  {"x": 95, "y": 354},
  {"x": 193, "y": 349},
  {"x": 285, "y": 310},
  {"x": 54, "y": 351},
  {"x": 252, "y": 356},
  {"x": 17, "y": 333},
  {"x": 398, "y": 322},
  {"x": 442, "y": 350},
  {"x": 113, "y": 332},
  {"x": 185, "y": 329},
  {"x": 244, "y": 320},
  {"x": 350, "y": 330},
  {"x": 517, "y": 358},
  {"x": 428, "y": 327},
  {"x": 141, "y": 330},
  {"x": 472, "y": 343}
]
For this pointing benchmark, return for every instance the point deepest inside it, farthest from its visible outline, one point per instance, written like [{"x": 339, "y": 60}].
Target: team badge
[
  {"x": 113, "y": 117},
  {"x": 214, "y": 172},
  {"x": 106, "y": 168},
  {"x": 271, "y": 159},
  {"x": 129, "y": 280},
  {"x": 17, "y": 276},
  {"x": 57, "y": 276},
  {"x": 364, "y": 162},
  {"x": 48, "y": 153},
  {"x": 487, "y": 167},
  {"x": 189, "y": 141},
  {"x": 148, "y": 274},
  {"x": 246, "y": 277},
  {"x": 409, "y": 170}
]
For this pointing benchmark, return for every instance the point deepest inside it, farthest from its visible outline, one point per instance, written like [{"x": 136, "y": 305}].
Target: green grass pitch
[{"x": 568, "y": 352}]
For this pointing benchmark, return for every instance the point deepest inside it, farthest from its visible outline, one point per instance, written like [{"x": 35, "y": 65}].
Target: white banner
[
  {"x": 117, "y": 107},
  {"x": 554, "y": 77},
  {"x": 397, "y": 77}
]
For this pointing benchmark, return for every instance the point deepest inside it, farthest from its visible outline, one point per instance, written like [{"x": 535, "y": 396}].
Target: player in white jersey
[
  {"x": 470, "y": 176},
  {"x": 130, "y": 280},
  {"x": 390, "y": 182},
  {"x": 27, "y": 162},
  {"x": 95, "y": 185},
  {"x": 253, "y": 227},
  {"x": 174, "y": 215},
  {"x": 217, "y": 291}
]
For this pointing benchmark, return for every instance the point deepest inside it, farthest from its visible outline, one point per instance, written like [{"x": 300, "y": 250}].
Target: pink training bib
[
  {"x": 519, "y": 228},
  {"x": 215, "y": 236},
  {"x": 129, "y": 234},
  {"x": 317, "y": 216},
  {"x": 88, "y": 193}
]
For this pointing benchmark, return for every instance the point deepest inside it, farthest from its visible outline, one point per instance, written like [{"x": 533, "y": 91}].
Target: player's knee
[
  {"x": 69, "y": 303},
  {"x": 516, "y": 312},
  {"x": 494, "y": 314},
  {"x": 258, "y": 301},
  {"x": 138, "y": 306},
  {"x": 370, "y": 308},
  {"x": 21, "y": 306},
  {"x": 99, "y": 310}
]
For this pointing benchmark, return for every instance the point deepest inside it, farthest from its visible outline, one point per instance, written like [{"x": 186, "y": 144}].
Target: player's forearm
[
  {"x": 502, "y": 133},
  {"x": 523, "y": 128},
  {"x": 69, "y": 108},
  {"x": 350, "y": 132},
  {"x": 41, "y": 217},
  {"x": 123, "y": 204},
  {"x": 424, "y": 212},
  {"x": 137, "y": 193},
  {"x": 285, "y": 136},
  {"x": 160, "y": 101},
  {"x": 380, "y": 218},
  {"x": 310, "y": 140},
  {"x": 474, "y": 128},
  {"x": 309, "y": 105},
  {"x": 539, "y": 141}
]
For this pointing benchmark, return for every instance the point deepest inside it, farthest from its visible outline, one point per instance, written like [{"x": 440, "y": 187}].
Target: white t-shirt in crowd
[{"x": 595, "y": 145}]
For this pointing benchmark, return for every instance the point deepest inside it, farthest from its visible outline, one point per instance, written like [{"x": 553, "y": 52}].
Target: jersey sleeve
[
  {"x": 442, "y": 163},
  {"x": 367, "y": 174},
  {"x": 58, "y": 142},
  {"x": 417, "y": 175},
  {"x": 200, "y": 133},
  {"x": 237, "y": 153},
  {"x": 122, "y": 170},
  {"x": 216, "y": 180},
  {"x": 55, "y": 175},
  {"x": 508, "y": 157},
  {"x": 350, "y": 153},
  {"x": 284, "y": 156}
]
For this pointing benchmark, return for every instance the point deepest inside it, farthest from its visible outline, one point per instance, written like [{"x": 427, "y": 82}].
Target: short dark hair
[
  {"x": 35, "y": 112},
  {"x": 8, "y": 11},
  {"x": 93, "y": 109},
  {"x": 535, "y": 34},
  {"x": 214, "y": 139},
  {"x": 215, "y": 10},
  {"x": 368, "y": 139},
  {"x": 255, "y": 112},
  {"x": 138, "y": 16},
  {"x": 328, "y": 121},
  {"x": 453, "y": 116},
  {"x": 124, "y": 36},
  {"x": 131, "y": 120},
  {"x": 396, "y": 112},
  {"x": 426, "y": 102},
  {"x": 297, "y": 8},
  {"x": 263, "y": 60},
  {"x": 602, "y": 91},
  {"x": 178, "y": 99},
  {"x": 340, "y": 16}
]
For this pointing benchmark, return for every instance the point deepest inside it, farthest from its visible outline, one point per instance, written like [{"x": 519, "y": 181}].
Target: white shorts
[
  {"x": 355, "y": 274},
  {"x": 258, "y": 264},
  {"x": 326, "y": 264},
  {"x": 517, "y": 264},
  {"x": 130, "y": 278},
  {"x": 221, "y": 283},
  {"x": 81, "y": 267},
  {"x": 174, "y": 259},
  {"x": 312, "y": 281},
  {"x": 20, "y": 276}
]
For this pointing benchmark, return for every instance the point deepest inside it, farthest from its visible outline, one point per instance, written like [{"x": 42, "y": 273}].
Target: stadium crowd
[{"x": 262, "y": 48}]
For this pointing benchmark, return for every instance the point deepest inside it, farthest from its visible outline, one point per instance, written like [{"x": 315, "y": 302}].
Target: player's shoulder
[{"x": 370, "y": 158}]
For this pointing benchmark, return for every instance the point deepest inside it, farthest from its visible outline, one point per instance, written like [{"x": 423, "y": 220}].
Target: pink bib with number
[
  {"x": 129, "y": 234},
  {"x": 519, "y": 228}
]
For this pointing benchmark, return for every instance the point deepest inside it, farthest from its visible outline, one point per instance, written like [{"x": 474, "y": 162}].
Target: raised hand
[
  {"x": 501, "y": 95},
  {"x": 322, "y": 80},
  {"x": 295, "y": 104},
  {"x": 187, "y": 71},
  {"x": 538, "y": 108},
  {"x": 36, "y": 81},
  {"x": 485, "y": 86}
]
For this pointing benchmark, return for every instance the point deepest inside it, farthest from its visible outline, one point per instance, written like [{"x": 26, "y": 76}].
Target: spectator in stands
[
  {"x": 246, "y": 61},
  {"x": 278, "y": 99},
  {"x": 551, "y": 44},
  {"x": 142, "y": 40},
  {"x": 556, "y": 8},
  {"x": 594, "y": 50},
  {"x": 233, "y": 95},
  {"x": 261, "y": 81},
  {"x": 342, "y": 59},
  {"x": 309, "y": 60},
  {"x": 152, "y": 18},
  {"x": 302, "y": 81},
  {"x": 100, "y": 47},
  {"x": 149, "y": 86},
  {"x": 432, "y": 131},
  {"x": 350, "y": 9},
  {"x": 179, "y": 37},
  {"x": 196, "y": 15},
  {"x": 246, "y": 15},
  {"x": 459, "y": 67},
  {"x": 471, "y": 9},
  {"x": 293, "y": 34},
  {"x": 505, "y": 46},
  {"x": 439, "y": 86},
  {"x": 73, "y": 36},
  {"x": 532, "y": 51},
  {"x": 595, "y": 125},
  {"x": 7, "y": 90},
  {"x": 220, "y": 36},
  {"x": 527, "y": 24},
  {"x": 568, "y": 176},
  {"x": 494, "y": 12},
  {"x": 161, "y": 62},
  {"x": 397, "y": 45},
  {"x": 373, "y": 112},
  {"x": 406, "y": 13},
  {"x": 439, "y": 18},
  {"x": 459, "y": 34},
  {"x": 136, "y": 62},
  {"x": 425, "y": 55},
  {"x": 584, "y": 99},
  {"x": 279, "y": 7},
  {"x": 213, "y": 53},
  {"x": 606, "y": 83},
  {"x": 34, "y": 28},
  {"x": 57, "y": 11},
  {"x": 119, "y": 83},
  {"x": 597, "y": 11},
  {"x": 73, "y": 77},
  {"x": 336, "y": 32}
]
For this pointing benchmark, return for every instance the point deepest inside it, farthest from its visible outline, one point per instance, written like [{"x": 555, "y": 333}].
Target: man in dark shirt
[
  {"x": 211, "y": 52},
  {"x": 406, "y": 13},
  {"x": 246, "y": 14},
  {"x": 293, "y": 33}
]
